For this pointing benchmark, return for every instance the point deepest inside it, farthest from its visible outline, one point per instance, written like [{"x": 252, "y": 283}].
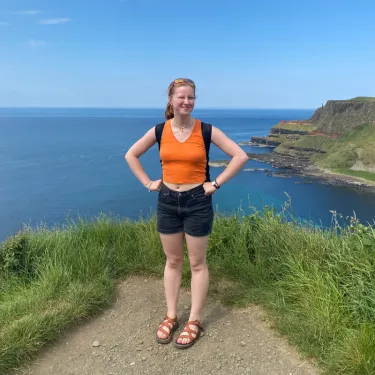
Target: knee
[
  {"x": 174, "y": 262},
  {"x": 197, "y": 265}
]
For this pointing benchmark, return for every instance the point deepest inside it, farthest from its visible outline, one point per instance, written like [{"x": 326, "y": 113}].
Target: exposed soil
[{"x": 121, "y": 340}]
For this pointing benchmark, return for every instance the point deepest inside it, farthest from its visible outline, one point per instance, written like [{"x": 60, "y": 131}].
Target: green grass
[
  {"x": 300, "y": 127},
  {"x": 361, "y": 174},
  {"x": 357, "y": 144},
  {"x": 340, "y": 153},
  {"x": 363, "y": 99},
  {"x": 317, "y": 142},
  {"x": 318, "y": 285}
]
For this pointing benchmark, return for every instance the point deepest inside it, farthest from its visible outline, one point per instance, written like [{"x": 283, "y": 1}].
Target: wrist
[
  {"x": 215, "y": 184},
  {"x": 148, "y": 184}
]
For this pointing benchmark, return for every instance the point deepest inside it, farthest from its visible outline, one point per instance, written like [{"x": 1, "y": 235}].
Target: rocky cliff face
[
  {"x": 339, "y": 116},
  {"x": 339, "y": 136}
]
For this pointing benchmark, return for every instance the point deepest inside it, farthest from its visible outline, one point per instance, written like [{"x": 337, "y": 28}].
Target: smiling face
[{"x": 182, "y": 100}]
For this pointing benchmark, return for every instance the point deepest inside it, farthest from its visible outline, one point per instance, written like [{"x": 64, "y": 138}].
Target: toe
[{"x": 161, "y": 335}]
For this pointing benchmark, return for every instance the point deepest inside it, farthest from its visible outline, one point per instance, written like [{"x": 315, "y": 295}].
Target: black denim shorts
[{"x": 186, "y": 211}]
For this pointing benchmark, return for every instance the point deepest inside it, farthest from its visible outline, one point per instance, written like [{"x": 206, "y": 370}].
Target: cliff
[
  {"x": 340, "y": 116},
  {"x": 339, "y": 136}
]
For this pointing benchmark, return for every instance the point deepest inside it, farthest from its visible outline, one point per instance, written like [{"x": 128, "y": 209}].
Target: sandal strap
[
  {"x": 165, "y": 328},
  {"x": 190, "y": 333},
  {"x": 165, "y": 324},
  {"x": 170, "y": 320},
  {"x": 194, "y": 323}
]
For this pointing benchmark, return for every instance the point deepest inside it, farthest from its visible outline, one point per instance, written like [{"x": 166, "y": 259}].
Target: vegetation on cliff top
[
  {"x": 318, "y": 285},
  {"x": 358, "y": 145},
  {"x": 340, "y": 137},
  {"x": 296, "y": 126},
  {"x": 363, "y": 99}
]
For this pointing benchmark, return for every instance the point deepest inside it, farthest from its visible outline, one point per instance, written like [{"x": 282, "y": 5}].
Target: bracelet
[
  {"x": 147, "y": 186},
  {"x": 215, "y": 184}
]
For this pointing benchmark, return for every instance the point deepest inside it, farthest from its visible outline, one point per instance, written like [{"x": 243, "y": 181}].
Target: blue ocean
[{"x": 58, "y": 164}]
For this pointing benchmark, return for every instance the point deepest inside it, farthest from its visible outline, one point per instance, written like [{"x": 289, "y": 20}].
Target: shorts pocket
[
  {"x": 200, "y": 197},
  {"x": 164, "y": 195}
]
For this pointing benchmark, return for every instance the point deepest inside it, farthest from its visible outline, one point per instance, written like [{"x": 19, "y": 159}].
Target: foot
[
  {"x": 166, "y": 329},
  {"x": 190, "y": 334}
]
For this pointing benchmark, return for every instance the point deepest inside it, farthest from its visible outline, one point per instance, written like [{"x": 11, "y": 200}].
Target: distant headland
[{"x": 337, "y": 144}]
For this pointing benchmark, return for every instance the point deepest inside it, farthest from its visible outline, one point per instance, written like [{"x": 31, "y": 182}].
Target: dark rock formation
[
  {"x": 263, "y": 141},
  {"x": 339, "y": 116},
  {"x": 276, "y": 130}
]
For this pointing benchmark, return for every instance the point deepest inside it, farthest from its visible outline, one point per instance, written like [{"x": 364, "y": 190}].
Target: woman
[{"x": 185, "y": 200}]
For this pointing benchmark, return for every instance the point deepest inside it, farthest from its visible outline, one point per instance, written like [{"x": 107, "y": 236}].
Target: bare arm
[
  {"x": 135, "y": 152},
  {"x": 239, "y": 157}
]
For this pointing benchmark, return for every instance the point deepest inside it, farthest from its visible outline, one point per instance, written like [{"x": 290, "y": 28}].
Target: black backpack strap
[
  {"x": 158, "y": 132},
  {"x": 206, "y": 134}
]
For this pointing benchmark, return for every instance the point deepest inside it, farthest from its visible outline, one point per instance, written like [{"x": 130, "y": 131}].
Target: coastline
[{"x": 288, "y": 166}]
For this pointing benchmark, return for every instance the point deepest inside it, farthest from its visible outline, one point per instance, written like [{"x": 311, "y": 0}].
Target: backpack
[{"x": 206, "y": 134}]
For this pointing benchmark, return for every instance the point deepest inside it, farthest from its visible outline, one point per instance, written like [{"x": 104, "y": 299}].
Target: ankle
[
  {"x": 172, "y": 314},
  {"x": 194, "y": 317}
]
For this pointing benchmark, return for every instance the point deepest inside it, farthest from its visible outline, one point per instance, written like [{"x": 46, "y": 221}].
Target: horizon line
[{"x": 156, "y": 108}]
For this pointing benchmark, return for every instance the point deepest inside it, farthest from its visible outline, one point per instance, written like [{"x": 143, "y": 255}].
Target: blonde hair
[{"x": 169, "y": 112}]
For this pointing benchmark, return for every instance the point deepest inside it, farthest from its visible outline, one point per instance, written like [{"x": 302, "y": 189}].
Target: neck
[{"x": 182, "y": 120}]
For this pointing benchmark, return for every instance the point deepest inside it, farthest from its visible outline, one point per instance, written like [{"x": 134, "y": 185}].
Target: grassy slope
[
  {"x": 300, "y": 127},
  {"x": 319, "y": 286},
  {"x": 358, "y": 144},
  {"x": 341, "y": 153},
  {"x": 316, "y": 142}
]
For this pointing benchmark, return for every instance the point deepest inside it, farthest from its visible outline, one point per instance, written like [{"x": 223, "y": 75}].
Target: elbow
[
  {"x": 128, "y": 156},
  {"x": 243, "y": 158}
]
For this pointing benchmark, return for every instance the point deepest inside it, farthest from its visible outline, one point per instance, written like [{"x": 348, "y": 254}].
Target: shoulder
[
  {"x": 206, "y": 125},
  {"x": 159, "y": 127},
  {"x": 158, "y": 131}
]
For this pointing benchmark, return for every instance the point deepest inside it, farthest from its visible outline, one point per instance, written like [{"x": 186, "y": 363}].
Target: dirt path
[{"x": 236, "y": 341}]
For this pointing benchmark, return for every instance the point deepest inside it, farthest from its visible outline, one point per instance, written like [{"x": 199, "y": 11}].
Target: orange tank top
[{"x": 183, "y": 162}]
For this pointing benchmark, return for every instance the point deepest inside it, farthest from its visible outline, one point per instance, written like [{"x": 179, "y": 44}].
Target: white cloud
[
  {"x": 4, "y": 24},
  {"x": 37, "y": 43},
  {"x": 54, "y": 21},
  {"x": 29, "y": 12}
]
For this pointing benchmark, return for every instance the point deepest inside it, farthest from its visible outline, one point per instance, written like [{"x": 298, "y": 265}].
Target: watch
[{"x": 215, "y": 184}]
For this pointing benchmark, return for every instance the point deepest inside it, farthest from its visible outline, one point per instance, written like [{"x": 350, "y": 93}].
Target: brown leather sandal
[
  {"x": 192, "y": 335},
  {"x": 165, "y": 328}
]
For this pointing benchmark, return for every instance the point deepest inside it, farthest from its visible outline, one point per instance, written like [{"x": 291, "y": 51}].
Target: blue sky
[{"x": 241, "y": 53}]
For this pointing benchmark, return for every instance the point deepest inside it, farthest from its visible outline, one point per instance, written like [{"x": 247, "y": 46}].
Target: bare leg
[
  {"x": 173, "y": 246},
  {"x": 197, "y": 248}
]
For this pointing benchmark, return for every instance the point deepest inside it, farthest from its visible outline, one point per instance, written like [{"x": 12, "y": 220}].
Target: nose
[{"x": 186, "y": 101}]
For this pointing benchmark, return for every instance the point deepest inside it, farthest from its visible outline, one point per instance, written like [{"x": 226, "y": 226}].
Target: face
[{"x": 183, "y": 100}]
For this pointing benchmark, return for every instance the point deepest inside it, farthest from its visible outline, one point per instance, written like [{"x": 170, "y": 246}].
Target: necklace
[{"x": 185, "y": 126}]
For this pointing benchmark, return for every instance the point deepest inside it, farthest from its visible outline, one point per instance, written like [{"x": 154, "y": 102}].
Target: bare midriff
[{"x": 181, "y": 187}]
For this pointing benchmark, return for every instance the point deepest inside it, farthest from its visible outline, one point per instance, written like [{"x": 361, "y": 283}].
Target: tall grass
[{"x": 318, "y": 285}]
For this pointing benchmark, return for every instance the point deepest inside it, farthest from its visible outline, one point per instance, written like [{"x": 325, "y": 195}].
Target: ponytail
[{"x": 169, "y": 113}]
